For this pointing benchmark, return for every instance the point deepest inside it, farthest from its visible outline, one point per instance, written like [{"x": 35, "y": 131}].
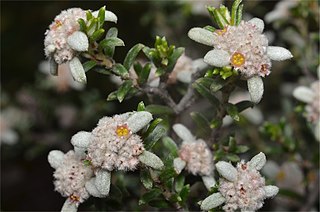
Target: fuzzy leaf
[
  {"x": 202, "y": 123},
  {"x": 179, "y": 183},
  {"x": 120, "y": 70},
  {"x": 97, "y": 35},
  {"x": 111, "y": 42},
  {"x": 184, "y": 193},
  {"x": 145, "y": 178},
  {"x": 150, "y": 195},
  {"x": 123, "y": 90},
  {"x": 173, "y": 58},
  {"x": 199, "y": 86},
  {"x": 170, "y": 145},
  {"x": 234, "y": 10},
  {"x": 112, "y": 96},
  {"x": 158, "y": 132},
  {"x": 144, "y": 74},
  {"x": 243, "y": 105},
  {"x": 131, "y": 55},
  {"x": 233, "y": 112},
  {"x": 159, "y": 110},
  {"x": 89, "y": 65},
  {"x": 112, "y": 33},
  {"x": 83, "y": 26}
]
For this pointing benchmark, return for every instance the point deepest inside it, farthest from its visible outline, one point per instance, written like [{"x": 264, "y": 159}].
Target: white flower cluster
[
  {"x": 311, "y": 96},
  {"x": 112, "y": 145},
  {"x": 243, "y": 47},
  {"x": 194, "y": 155},
  {"x": 242, "y": 187},
  {"x": 64, "y": 41}
]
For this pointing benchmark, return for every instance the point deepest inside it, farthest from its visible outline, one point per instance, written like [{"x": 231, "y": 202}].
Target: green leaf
[
  {"x": 89, "y": 65},
  {"x": 101, "y": 70},
  {"x": 123, "y": 90},
  {"x": 153, "y": 125},
  {"x": 145, "y": 178},
  {"x": 89, "y": 15},
  {"x": 173, "y": 58},
  {"x": 210, "y": 28},
  {"x": 179, "y": 183},
  {"x": 239, "y": 14},
  {"x": 155, "y": 136},
  {"x": 101, "y": 15},
  {"x": 199, "y": 86},
  {"x": 202, "y": 123},
  {"x": 184, "y": 193},
  {"x": 120, "y": 70},
  {"x": 217, "y": 84},
  {"x": 92, "y": 26},
  {"x": 241, "y": 149},
  {"x": 112, "y": 96},
  {"x": 234, "y": 9},
  {"x": 144, "y": 74},
  {"x": 167, "y": 173},
  {"x": 171, "y": 146},
  {"x": 83, "y": 26},
  {"x": 112, "y": 33},
  {"x": 141, "y": 106},
  {"x": 159, "y": 203},
  {"x": 233, "y": 112},
  {"x": 215, "y": 123},
  {"x": 132, "y": 54},
  {"x": 110, "y": 42},
  {"x": 97, "y": 35},
  {"x": 232, "y": 157},
  {"x": 243, "y": 105},
  {"x": 220, "y": 19},
  {"x": 159, "y": 110},
  {"x": 150, "y": 195}
]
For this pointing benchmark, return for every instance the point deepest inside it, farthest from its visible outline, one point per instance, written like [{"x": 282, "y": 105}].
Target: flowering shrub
[{"x": 175, "y": 132}]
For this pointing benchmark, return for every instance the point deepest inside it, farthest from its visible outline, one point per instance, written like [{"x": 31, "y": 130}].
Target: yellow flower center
[
  {"x": 221, "y": 31},
  {"x": 57, "y": 25},
  {"x": 281, "y": 175},
  {"x": 237, "y": 59},
  {"x": 74, "y": 198},
  {"x": 123, "y": 130}
]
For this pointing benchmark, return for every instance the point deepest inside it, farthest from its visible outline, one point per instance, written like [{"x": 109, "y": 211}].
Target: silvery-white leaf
[
  {"x": 255, "y": 88},
  {"x": 208, "y": 181},
  {"x": 227, "y": 171},
  {"x": 258, "y": 161},
  {"x": 55, "y": 158},
  {"x": 109, "y": 16},
  {"x": 69, "y": 206},
  {"x": 151, "y": 160},
  {"x": 81, "y": 139},
  {"x": 78, "y": 41},
  {"x": 201, "y": 35},
  {"x": 212, "y": 201},
  {"x": 304, "y": 94},
  {"x": 258, "y": 23},
  {"x": 271, "y": 190},
  {"x": 217, "y": 58},
  {"x": 278, "y": 53},
  {"x": 102, "y": 182},
  {"x": 178, "y": 165},
  {"x": 139, "y": 120},
  {"x": 183, "y": 133},
  {"x": 77, "y": 70},
  {"x": 184, "y": 76},
  {"x": 92, "y": 189}
]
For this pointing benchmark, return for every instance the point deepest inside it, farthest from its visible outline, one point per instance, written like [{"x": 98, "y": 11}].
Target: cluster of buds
[
  {"x": 64, "y": 41},
  {"x": 112, "y": 145},
  {"x": 244, "y": 48},
  {"x": 194, "y": 156}
]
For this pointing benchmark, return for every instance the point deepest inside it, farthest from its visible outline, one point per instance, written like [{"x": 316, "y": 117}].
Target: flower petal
[
  {"x": 69, "y": 206},
  {"x": 77, "y": 70},
  {"x": 227, "y": 171},
  {"x": 258, "y": 161},
  {"x": 183, "y": 133},
  {"x": 218, "y": 58},
  {"x": 258, "y": 23},
  {"x": 92, "y": 189},
  {"x": 102, "y": 182},
  {"x": 178, "y": 165},
  {"x": 271, "y": 190},
  {"x": 255, "y": 88},
  {"x": 304, "y": 94},
  {"x": 150, "y": 159},
  {"x": 212, "y": 201},
  {"x": 109, "y": 16},
  {"x": 78, "y": 41},
  {"x": 208, "y": 181},
  {"x": 53, "y": 67},
  {"x": 278, "y": 53},
  {"x": 201, "y": 35},
  {"x": 139, "y": 120},
  {"x": 55, "y": 158}
]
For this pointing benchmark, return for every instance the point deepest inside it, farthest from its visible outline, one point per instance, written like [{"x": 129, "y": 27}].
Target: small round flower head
[
  {"x": 113, "y": 145},
  {"x": 197, "y": 156},
  {"x": 56, "y": 40},
  {"x": 313, "y": 107},
  {"x": 71, "y": 176}
]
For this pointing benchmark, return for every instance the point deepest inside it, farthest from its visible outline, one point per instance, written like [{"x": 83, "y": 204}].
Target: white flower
[
  {"x": 242, "y": 187},
  {"x": 70, "y": 176},
  {"x": 243, "y": 47},
  {"x": 311, "y": 96},
  {"x": 194, "y": 155},
  {"x": 64, "y": 41}
]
